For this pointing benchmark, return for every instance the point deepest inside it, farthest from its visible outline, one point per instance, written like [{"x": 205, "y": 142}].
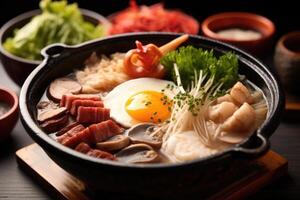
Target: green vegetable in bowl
[
  {"x": 59, "y": 23},
  {"x": 190, "y": 60}
]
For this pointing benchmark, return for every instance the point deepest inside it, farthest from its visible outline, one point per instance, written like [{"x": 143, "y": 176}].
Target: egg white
[{"x": 116, "y": 99}]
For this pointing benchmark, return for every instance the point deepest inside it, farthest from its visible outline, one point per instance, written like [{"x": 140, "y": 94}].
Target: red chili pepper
[{"x": 144, "y": 61}]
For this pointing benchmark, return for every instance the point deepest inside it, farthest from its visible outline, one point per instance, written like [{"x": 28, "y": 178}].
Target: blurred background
[{"x": 285, "y": 14}]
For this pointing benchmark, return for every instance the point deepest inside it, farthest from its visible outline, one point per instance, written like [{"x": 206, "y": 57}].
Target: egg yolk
[{"x": 149, "y": 106}]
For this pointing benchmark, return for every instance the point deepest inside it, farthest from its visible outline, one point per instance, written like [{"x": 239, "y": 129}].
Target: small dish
[
  {"x": 9, "y": 111},
  {"x": 19, "y": 68},
  {"x": 257, "y": 30},
  {"x": 287, "y": 61}
]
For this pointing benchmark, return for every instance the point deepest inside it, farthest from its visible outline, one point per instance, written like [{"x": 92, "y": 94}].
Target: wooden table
[{"x": 15, "y": 184}]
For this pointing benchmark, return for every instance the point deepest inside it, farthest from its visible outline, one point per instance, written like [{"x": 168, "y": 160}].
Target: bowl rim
[
  {"x": 27, "y": 16},
  {"x": 15, "y": 103},
  {"x": 212, "y": 34},
  {"x": 37, "y": 134},
  {"x": 284, "y": 38}
]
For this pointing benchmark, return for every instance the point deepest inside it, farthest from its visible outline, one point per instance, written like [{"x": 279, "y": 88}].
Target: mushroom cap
[
  {"x": 146, "y": 133},
  {"x": 116, "y": 142},
  {"x": 62, "y": 86},
  {"x": 138, "y": 154}
]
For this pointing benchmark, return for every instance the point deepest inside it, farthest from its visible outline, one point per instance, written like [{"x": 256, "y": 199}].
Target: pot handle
[
  {"x": 54, "y": 50},
  {"x": 256, "y": 151}
]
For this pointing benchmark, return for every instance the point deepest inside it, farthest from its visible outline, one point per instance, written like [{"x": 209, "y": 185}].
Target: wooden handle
[{"x": 172, "y": 45}]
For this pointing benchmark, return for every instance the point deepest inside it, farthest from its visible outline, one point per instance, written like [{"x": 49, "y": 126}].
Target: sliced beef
[
  {"x": 92, "y": 114},
  {"x": 67, "y": 128},
  {"x": 85, "y": 103},
  {"x": 86, "y": 149},
  {"x": 103, "y": 131},
  {"x": 83, "y": 147},
  {"x": 93, "y": 134},
  {"x": 81, "y": 136},
  {"x": 70, "y": 133},
  {"x": 68, "y": 99}
]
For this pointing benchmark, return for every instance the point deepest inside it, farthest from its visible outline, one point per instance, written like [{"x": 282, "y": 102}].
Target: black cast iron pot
[{"x": 172, "y": 180}]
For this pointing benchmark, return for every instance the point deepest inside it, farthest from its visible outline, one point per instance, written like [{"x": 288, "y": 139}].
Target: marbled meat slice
[
  {"x": 70, "y": 133},
  {"x": 103, "y": 131},
  {"x": 67, "y": 128},
  {"x": 85, "y": 103},
  {"x": 86, "y": 149},
  {"x": 92, "y": 114},
  {"x": 68, "y": 99},
  {"x": 93, "y": 134}
]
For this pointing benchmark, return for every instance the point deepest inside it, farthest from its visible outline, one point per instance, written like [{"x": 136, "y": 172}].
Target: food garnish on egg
[{"x": 141, "y": 100}]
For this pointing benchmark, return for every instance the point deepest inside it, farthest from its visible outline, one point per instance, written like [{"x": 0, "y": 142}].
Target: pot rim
[
  {"x": 269, "y": 26},
  {"x": 281, "y": 43}
]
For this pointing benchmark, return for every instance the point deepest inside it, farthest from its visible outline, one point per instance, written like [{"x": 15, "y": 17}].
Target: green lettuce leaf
[
  {"x": 223, "y": 69},
  {"x": 59, "y": 23}
]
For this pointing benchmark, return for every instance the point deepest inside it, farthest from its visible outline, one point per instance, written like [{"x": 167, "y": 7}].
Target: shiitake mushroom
[
  {"x": 62, "y": 86},
  {"x": 138, "y": 154},
  {"x": 114, "y": 143},
  {"x": 51, "y": 114},
  {"x": 51, "y": 117},
  {"x": 54, "y": 125},
  {"x": 146, "y": 133}
]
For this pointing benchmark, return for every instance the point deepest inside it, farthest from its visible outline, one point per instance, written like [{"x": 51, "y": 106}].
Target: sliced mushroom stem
[
  {"x": 172, "y": 45},
  {"x": 145, "y": 133},
  {"x": 138, "y": 154},
  {"x": 53, "y": 125},
  {"x": 51, "y": 114},
  {"x": 114, "y": 143}
]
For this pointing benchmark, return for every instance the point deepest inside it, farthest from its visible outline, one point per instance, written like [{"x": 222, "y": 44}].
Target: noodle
[{"x": 102, "y": 74}]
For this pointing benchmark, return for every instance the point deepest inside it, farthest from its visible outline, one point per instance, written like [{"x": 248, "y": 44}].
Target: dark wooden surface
[
  {"x": 15, "y": 184},
  {"x": 233, "y": 186}
]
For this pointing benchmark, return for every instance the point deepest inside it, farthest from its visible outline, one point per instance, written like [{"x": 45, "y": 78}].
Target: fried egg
[{"x": 141, "y": 100}]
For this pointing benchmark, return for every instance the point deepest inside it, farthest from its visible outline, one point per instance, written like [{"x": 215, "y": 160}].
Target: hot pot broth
[{"x": 134, "y": 108}]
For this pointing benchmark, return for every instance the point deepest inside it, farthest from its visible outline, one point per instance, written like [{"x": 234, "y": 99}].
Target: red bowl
[
  {"x": 242, "y": 20},
  {"x": 9, "y": 119}
]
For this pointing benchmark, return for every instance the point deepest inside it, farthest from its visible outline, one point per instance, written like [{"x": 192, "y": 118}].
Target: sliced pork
[
  {"x": 86, "y": 149},
  {"x": 93, "y": 134},
  {"x": 70, "y": 133},
  {"x": 68, "y": 99},
  {"x": 67, "y": 128},
  {"x": 103, "y": 131},
  {"x": 85, "y": 103},
  {"x": 92, "y": 114}
]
